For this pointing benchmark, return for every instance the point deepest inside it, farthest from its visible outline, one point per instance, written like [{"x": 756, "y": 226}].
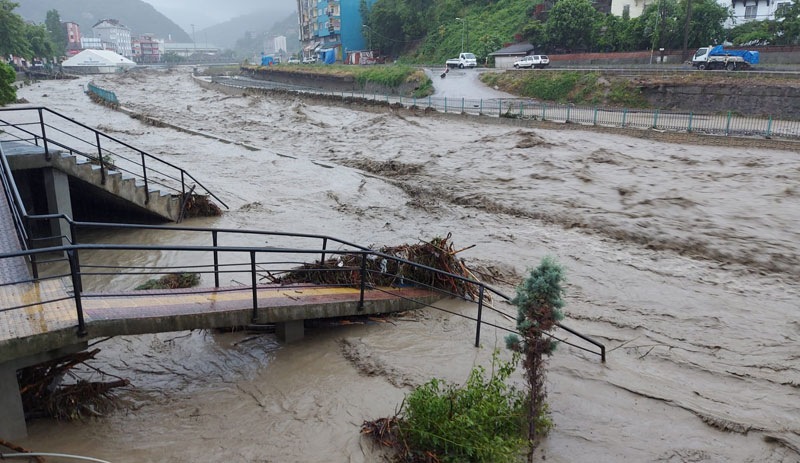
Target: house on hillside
[{"x": 504, "y": 58}]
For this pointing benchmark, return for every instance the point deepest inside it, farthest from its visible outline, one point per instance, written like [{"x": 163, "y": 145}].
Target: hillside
[
  {"x": 272, "y": 20},
  {"x": 139, "y": 16}
]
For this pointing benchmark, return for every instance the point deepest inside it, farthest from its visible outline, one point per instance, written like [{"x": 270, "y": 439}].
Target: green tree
[
  {"x": 539, "y": 302},
  {"x": 661, "y": 25},
  {"x": 8, "y": 93},
  {"x": 788, "y": 28},
  {"x": 39, "y": 41},
  {"x": 570, "y": 24},
  {"x": 535, "y": 33},
  {"x": 12, "y": 32},
  {"x": 58, "y": 35},
  {"x": 706, "y": 26}
]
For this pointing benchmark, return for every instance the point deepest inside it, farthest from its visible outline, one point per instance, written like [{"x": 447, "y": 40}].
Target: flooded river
[{"x": 682, "y": 259}]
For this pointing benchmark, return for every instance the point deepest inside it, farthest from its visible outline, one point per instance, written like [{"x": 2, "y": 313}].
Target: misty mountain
[
  {"x": 138, "y": 16},
  {"x": 271, "y": 20},
  {"x": 251, "y": 44}
]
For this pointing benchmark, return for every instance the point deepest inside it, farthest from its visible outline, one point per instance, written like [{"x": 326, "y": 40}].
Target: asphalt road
[{"x": 463, "y": 83}]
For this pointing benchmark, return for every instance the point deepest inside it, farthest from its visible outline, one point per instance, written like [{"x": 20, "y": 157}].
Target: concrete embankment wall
[
  {"x": 756, "y": 100},
  {"x": 329, "y": 82}
]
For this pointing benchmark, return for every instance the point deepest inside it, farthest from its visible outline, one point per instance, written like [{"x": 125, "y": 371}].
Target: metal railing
[
  {"x": 727, "y": 124},
  {"x": 54, "y": 132},
  {"x": 256, "y": 263}
]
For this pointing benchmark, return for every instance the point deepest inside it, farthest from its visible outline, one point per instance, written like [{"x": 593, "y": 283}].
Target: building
[
  {"x": 147, "y": 49},
  {"x": 91, "y": 43},
  {"x": 330, "y": 25},
  {"x": 504, "y": 58},
  {"x": 743, "y": 10},
  {"x": 755, "y": 10},
  {"x": 115, "y": 36},
  {"x": 73, "y": 32},
  {"x": 279, "y": 44}
]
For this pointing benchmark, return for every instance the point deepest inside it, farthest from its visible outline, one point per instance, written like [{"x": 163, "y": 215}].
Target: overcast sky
[{"x": 205, "y": 13}]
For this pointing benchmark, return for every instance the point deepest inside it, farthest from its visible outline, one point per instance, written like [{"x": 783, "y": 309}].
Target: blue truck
[{"x": 721, "y": 58}]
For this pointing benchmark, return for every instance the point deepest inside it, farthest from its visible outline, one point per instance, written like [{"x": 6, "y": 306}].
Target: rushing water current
[{"x": 683, "y": 260}]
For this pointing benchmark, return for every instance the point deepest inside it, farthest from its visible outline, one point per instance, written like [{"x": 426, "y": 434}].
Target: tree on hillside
[
  {"x": 384, "y": 28},
  {"x": 661, "y": 25},
  {"x": 58, "y": 35},
  {"x": 788, "y": 32},
  {"x": 570, "y": 24},
  {"x": 12, "y": 32}
]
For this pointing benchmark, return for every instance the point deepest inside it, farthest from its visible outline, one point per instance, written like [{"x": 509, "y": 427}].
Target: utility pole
[
  {"x": 194, "y": 39},
  {"x": 685, "y": 54}
]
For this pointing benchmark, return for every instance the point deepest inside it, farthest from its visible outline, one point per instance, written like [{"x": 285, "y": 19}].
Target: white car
[
  {"x": 293, "y": 60},
  {"x": 532, "y": 61},
  {"x": 309, "y": 60}
]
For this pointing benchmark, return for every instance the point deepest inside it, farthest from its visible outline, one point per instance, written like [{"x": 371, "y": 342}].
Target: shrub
[
  {"x": 8, "y": 92},
  {"x": 482, "y": 421}
]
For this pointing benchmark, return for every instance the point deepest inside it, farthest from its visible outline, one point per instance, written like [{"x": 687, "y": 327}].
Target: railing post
[
  {"x": 445, "y": 105},
  {"x": 544, "y": 110},
  {"x": 146, "y": 189},
  {"x": 216, "y": 258},
  {"x": 769, "y": 127},
  {"x": 624, "y": 116},
  {"x": 568, "y": 108},
  {"x": 462, "y": 105},
  {"x": 183, "y": 186},
  {"x": 324, "y": 248},
  {"x": 100, "y": 156},
  {"x": 728, "y": 125},
  {"x": 44, "y": 135},
  {"x": 480, "y": 311},
  {"x": 655, "y": 119},
  {"x": 499, "y": 108},
  {"x": 77, "y": 287},
  {"x": 689, "y": 129},
  {"x": 363, "y": 280},
  {"x": 480, "y": 111},
  {"x": 253, "y": 283},
  {"x": 34, "y": 264},
  {"x": 594, "y": 120}
]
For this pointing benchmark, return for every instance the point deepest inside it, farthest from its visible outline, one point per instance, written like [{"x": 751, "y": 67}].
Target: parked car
[
  {"x": 309, "y": 60},
  {"x": 532, "y": 61},
  {"x": 293, "y": 60}
]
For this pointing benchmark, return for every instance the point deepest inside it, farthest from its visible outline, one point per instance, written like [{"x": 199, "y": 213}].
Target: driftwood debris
[
  {"x": 438, "y": 253},
  {"x": 45, "y": 394},
  {"x": 17, "y": 448}
]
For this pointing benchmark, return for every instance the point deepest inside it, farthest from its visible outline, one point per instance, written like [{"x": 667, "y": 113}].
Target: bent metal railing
[
  {"x": 76, "y": 262},
  {"x": 53, "y": 131}
]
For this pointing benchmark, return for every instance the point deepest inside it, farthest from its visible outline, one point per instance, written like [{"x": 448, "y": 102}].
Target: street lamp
[{"x": 463, "y": 28}]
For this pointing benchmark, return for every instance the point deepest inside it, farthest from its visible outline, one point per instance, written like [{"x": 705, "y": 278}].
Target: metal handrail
[{"x": 184, "y": 175}]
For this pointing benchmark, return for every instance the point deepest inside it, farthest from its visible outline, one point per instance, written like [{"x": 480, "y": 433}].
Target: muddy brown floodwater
[{"x": 683, "y": 260}]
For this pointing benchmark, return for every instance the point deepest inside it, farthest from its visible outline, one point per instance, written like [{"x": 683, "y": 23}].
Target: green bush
[
  {"x": 551, "y": 86},
  {"x": 8, "y": 92},
  {"x": 483, "y": 421}
]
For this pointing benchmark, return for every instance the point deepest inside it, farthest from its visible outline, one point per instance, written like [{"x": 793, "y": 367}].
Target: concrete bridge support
[
  {"x": 56, "y": 184},
  {"x": 12, "y": 417},
  {"x": 290, "y": 331}
]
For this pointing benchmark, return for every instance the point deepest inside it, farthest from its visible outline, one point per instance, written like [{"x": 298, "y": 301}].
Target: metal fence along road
[{"x": 727, "y": 124}]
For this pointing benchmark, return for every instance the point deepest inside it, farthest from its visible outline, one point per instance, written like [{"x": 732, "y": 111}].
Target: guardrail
[
  {"x": 53, "y": 131},
  {"x": 728, "y": 124}
]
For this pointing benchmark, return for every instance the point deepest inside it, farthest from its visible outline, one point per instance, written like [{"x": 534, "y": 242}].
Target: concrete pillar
[
  {"x": 12, "y": 417},
  {"x": 290, "y": 331},
  {"x": 56, "y": 185}
]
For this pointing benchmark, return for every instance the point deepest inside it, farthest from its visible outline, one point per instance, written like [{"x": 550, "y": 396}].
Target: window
[
  {"x": 750, "y": 12},
  {"x": 626, "y": 11},
  {"x": 781, "y": 9}
]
